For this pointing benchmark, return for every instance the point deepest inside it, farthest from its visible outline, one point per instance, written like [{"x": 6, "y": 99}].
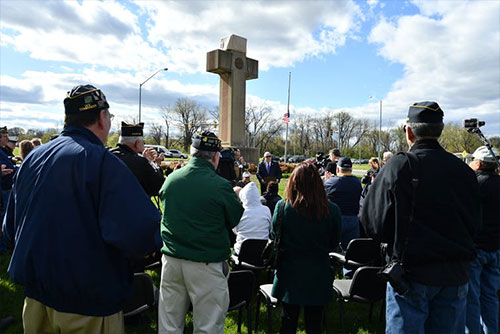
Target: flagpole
[{"x": 288, "y": 113}]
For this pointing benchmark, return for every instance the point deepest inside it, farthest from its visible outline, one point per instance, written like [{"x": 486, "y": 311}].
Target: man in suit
[{"x": 268, "y": 170}]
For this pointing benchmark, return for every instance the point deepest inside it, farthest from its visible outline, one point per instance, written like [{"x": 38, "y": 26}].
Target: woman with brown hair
[
  {"x": 25, "y": 147},
  {"x": 310, "y": 228}
]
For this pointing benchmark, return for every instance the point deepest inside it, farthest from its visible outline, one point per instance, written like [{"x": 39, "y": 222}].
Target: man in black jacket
[
  {"x": 437, "y": 247},
  {"x": 484, "y": 282},
  {"x": 144, "y": 167}
]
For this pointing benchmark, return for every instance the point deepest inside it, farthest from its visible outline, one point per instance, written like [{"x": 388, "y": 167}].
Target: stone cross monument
[{"x": 234, "y": 68}]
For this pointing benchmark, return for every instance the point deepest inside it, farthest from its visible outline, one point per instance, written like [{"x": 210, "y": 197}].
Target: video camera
[{"x": 472, "y": 123}]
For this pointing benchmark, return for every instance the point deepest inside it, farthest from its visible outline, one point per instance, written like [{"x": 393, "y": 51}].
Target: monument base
[{"x": 250, "y": 154}]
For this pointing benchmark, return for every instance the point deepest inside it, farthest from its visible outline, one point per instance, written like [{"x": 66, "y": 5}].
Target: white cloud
[
  {"x": 452, "y": 58},
  {"x": 281, "y": 33}
]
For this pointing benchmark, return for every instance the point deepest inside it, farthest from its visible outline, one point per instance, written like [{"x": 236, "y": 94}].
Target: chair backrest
[
  {"x": 365, "y": 251},
  {"x": 251, "y": 251},
  {"x": 366, "y": 285},
  {"x": 142, "y": 297},
  {"x": 240, "y": 285}
]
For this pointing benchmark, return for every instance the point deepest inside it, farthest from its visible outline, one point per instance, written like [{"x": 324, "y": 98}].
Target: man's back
[
  {"x": 83, "y": 219},
  {"x": 150, "y": 179},
  {"x": 345, "y": 192},
  {"x": 200, "y": 207},
  {"x": 445, "y": 215}
]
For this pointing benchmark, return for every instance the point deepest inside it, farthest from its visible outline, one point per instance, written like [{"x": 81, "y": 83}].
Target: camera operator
[
  {"x": 484, "y": 281},
  {"x": 428, "y": 228}
]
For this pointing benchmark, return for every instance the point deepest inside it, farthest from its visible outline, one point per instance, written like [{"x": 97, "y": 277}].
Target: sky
[{"x": 343, "y": 55}]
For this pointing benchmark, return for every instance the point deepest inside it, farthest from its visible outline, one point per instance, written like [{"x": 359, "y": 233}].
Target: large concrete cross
[{"x": 234, "y": 68}]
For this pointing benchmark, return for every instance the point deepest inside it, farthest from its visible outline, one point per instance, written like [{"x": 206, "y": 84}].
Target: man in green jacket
[{"x": 199, "y": 209}]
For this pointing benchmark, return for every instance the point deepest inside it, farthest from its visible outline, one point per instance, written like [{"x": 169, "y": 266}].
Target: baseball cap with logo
[
  {"x": 206, "y": 141},
  {"x": 84, "y": 98}
]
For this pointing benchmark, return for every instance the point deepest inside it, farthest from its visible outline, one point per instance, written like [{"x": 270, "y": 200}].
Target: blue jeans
[
  {"x": 482, "y": 300},
  {"x": 426, "y": 309},
  {"x": 350, "y": 230}
]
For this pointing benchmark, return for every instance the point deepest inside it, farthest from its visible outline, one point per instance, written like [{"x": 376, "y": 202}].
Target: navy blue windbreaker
[{"x": 77, "y": 216}]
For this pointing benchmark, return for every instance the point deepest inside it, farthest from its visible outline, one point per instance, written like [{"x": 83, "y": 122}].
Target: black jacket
[
  {"x": 150, "y": 178},
  {"x": 447, "y": 211},
  {"x": 270, "y": 200},
  {"x": 274, "y": 171},
  {"x": 488, "y": 238}
]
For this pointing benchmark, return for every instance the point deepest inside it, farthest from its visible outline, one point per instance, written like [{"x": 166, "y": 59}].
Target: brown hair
[
  {"x": 305, "y": 192},
  {"x": 25, "y": 147},
  {"x": 374, "y": 161},
  {"x": 36, "y": 141}
]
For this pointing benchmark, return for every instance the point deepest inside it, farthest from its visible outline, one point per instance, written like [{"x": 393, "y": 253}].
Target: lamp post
[
  {"x": 379, "y": 128},
  {"x": 140, "y": 88}
]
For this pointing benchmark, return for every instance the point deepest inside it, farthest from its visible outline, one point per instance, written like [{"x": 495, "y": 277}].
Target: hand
[
  {"x": 6, "y": 171},
  {"x": 149, "y": 153},
  {"x": 160, "y": 158}
]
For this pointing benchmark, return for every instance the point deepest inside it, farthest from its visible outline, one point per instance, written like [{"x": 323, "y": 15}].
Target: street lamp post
[
  {"x": 380, "y": 133},
  {"x": 140, "y": 88},
  {"x": 379, "y": 128}
]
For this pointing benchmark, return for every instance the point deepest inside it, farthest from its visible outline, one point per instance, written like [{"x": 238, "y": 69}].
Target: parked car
[
  {"x": 178, "y": 154},
  {"x": 297, "y": 158},
  {"x": 161, "y": 149}
]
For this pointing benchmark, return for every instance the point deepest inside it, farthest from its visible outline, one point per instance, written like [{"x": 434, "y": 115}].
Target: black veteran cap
[
  {"x": 132, "y": 130},
  {"x": 84, "y": 98},
  {"x": 206, "y": 141},
  {"x": 3, "y": 130},
  {"x": 425, "y": 112}
]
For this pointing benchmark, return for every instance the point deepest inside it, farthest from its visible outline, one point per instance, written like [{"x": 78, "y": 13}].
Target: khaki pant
[
  {"x": 202, "y": 284},
  {"x": 41, "y": 319}
]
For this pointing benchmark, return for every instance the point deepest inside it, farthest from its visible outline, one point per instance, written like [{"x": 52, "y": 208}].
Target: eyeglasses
[{"x": 267, "y": 156}]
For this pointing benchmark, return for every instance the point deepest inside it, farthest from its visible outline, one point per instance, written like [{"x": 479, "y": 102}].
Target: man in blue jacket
[{"x": 77, "y": 215}]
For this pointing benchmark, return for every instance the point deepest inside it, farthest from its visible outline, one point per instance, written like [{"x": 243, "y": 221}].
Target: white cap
[
  {"x": 483, "y": 153},
  {"x": 246, "y": 174}
]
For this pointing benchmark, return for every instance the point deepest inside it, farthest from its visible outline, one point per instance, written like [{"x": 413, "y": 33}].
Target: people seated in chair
[
  {"x": 256, "y": 219},
  {"x": 271, "y": 197}
]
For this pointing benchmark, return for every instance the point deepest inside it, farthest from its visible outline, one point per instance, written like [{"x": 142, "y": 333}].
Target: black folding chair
[
  {"x": 143, "y": 297},
  {"x": 364, "y": 287},
  {"x": 250, "y": 256},
  {"x": 360, "y": 252},
  {"x": 240, "y": 294}
]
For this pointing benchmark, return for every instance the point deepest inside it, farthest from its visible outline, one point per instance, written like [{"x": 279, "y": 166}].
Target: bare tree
[
  {"x": 260, "y": 125},
  {"x": 156, "y": 133},
  {"x": 166, "y": 113},
  {"x": 189, "y": 117}
]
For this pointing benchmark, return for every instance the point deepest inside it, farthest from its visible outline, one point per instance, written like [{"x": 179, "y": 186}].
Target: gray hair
[
  {"x": 129, "y": 140},
  {"x": 387, "y": 155},
  {"x": 207, "y": 155},
  {"x": 345, "y": 169},
  {"x": 426, "y": 130}
]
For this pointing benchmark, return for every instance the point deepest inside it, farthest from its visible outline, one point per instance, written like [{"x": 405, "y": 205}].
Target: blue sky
[{"x": 339, "y": 53}]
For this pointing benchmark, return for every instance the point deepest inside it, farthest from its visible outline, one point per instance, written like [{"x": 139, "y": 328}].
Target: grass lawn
[{"x": 12, "y": 296}]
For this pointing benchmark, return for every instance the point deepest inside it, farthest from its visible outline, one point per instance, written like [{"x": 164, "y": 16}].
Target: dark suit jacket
[{"x": 274, "y": 171}]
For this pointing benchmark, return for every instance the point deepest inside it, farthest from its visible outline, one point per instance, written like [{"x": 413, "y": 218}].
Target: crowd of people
[{"x": 81, "y": 221}]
